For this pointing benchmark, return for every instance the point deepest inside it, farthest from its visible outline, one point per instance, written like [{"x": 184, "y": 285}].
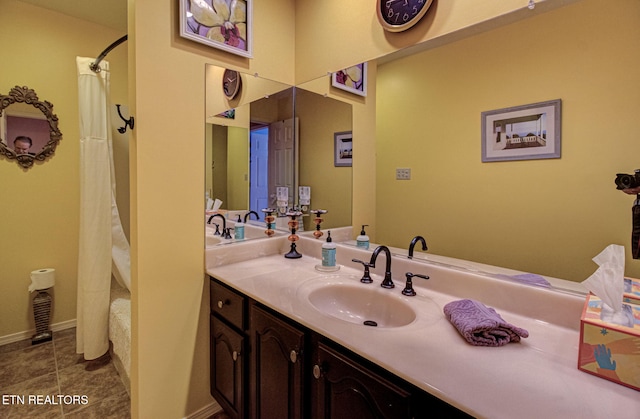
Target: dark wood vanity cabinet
[
  {"x": 265, "y": 365},
  {"x": 344, "y": 389},
  {"x": 228, "y": 349},
  {"x": 228, "y": 369},
  {"x": 278, "y": 367}
]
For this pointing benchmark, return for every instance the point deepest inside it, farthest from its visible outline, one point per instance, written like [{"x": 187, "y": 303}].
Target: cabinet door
[
  {"x": 277, "y": 384},
  {"x": 342, "y": 389},
  {"x": 228, "y": 368}
]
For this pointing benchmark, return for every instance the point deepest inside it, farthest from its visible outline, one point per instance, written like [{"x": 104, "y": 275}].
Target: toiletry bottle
[
  {"x": 328, "y": 252},
  {"x": 362, "y": 240},
  {"x": 238, "y": 229}
]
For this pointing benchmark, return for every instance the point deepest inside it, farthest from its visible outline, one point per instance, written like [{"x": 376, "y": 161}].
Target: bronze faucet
[
  {"x": 248, "y": 215},
  {"x": 224, "y": 223},
  {"x": 387, "y": 282},
  {"x": 413, "y": 243}
]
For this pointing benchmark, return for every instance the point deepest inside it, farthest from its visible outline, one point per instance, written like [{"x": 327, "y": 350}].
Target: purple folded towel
[
  {"x": 531, "y": 279},
  {"x": 481, "y": 325}
]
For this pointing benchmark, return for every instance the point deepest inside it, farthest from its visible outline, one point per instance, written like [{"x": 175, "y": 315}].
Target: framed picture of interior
[
  {"x": 343, "y": 149},
  {"x": 352, "y": 79},
  {"x": 525, "y": 132},
  {"x": 222, "y": 24}
]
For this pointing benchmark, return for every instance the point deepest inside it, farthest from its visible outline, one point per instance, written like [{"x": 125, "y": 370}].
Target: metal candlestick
[
  {"x": 317, "y": 234},
  {"x": 269, "y": 219},
  {"x": 293, "y": 237}
]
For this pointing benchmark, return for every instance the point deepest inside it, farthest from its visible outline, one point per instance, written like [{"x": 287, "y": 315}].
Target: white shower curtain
[{"x": 103, "y": 247}]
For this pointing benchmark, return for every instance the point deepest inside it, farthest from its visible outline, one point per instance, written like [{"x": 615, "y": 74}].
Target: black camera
[{"x": 625, "y": 181}]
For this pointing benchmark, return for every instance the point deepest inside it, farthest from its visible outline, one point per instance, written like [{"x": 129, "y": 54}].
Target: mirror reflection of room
[
  {"x": 28, "y": 127},
  {"x": 275, "y": 144},
  {"x": 27, "y": 131}
]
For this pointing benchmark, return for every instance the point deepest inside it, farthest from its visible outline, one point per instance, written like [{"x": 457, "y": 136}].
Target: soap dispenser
[
  {"x": 328, "y": 252},
  {"x": 238, "y": 229},
  {"x": 362, "y": 240}
]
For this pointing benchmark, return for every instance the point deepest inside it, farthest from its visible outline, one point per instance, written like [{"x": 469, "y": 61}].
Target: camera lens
[{"x": 626, "y": 181}]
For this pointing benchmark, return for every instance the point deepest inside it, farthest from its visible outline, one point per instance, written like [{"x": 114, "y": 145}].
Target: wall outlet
[{"x": 403, "y": 174}]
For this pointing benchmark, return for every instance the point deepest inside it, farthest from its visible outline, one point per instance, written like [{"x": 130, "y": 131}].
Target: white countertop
[{"x": 536, "y": 378}]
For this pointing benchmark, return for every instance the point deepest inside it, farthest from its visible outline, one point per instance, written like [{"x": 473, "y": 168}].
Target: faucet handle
[
  {"x": 408, "y": 288},
  {"x": 217, "y": 232},
  {"x": 366, "y": 277},
  {"x": 226, "y": 232}
]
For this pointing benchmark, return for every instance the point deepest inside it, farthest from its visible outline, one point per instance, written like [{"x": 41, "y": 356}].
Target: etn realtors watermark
[{"x": 41, "y": 399}]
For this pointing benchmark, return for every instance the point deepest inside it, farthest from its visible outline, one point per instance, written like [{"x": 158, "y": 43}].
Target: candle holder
[
  {"x": 317, "y": 234},
  {"x": 293, "y": 237},
  {"x": 269, "y": 219}
]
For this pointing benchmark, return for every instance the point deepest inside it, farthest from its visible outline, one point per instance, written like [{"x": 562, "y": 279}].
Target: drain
[{"x": 370, "y": 323}]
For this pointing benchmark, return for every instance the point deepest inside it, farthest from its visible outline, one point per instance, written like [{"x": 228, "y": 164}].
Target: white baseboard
[
  {"x": 206, "y": 412},
  {"x": 28, "y": 334}
]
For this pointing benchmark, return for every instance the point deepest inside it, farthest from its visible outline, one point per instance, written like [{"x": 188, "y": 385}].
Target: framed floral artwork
[
  {"x": 352, "y": 79},
  {"x": 222, "y": 24}
]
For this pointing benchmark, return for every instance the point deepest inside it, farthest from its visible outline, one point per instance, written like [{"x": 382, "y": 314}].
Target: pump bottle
[
  {"x": 328, "y": 252},
  {"x": 362, "y": 240},
  {"x": 238, "y": 229}
]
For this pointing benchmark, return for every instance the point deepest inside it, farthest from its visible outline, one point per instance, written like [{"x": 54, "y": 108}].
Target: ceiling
[{"x": 109, "y": 13}]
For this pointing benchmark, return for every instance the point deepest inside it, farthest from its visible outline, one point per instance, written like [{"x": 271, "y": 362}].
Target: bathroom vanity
[
  {"x": 292, "y": 371},
  {"x": 288, "y": 340}
]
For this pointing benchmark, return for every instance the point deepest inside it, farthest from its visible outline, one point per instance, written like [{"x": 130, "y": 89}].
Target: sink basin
[{"x": 361, "y": 304}]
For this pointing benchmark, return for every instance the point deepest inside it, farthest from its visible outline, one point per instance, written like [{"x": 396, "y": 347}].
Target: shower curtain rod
[{"x": 95, "y": 67}]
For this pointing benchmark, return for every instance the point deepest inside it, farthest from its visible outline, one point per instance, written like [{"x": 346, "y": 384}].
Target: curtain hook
[{"x": 127, "y": 122}]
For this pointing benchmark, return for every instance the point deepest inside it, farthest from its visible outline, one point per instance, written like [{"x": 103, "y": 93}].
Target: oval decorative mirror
[{"x": 28, "y": 127}]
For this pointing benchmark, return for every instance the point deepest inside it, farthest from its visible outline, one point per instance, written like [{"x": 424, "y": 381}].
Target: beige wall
[
  {"x": 238, "y": 170},
  {"x": 166, "y": 95},
  {"x": 331, "y": 187},
  {"x": 332, "y": 34},
  {"x": 170, "y": 347},
  {"x": 169, "y": 300},
  {"x": 40, "y": 206},
  {"x": 544, "y": 216}
]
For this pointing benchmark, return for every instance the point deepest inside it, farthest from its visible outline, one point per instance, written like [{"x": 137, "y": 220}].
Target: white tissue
[
  {"x": 209, "y": 203},
  {"x": 42, "y": 279},
  {"x": 607, "y": 282},
  {"x": 216, "y": 204}
]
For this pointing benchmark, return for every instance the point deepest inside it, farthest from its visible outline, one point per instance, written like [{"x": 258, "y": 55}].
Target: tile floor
[
  {"x": 40, "y": 381},
  {"x": 33, "y": 376}
]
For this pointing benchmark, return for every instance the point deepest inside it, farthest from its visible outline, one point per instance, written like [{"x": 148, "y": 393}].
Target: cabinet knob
[
  {"x": 293, "y": 356},
  {"x": 317, "y": 371},
  {"x": 235, "y": 355},
  {"x": 220, "y": 304}
]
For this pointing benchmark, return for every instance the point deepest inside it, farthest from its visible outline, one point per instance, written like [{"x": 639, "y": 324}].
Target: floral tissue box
[
  {"x": 610, "y": 350},
  {"x": 631, "y": 291}
]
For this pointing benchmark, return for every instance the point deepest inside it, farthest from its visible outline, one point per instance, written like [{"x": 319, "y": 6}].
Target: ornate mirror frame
[{"x": 29, "y": 97}]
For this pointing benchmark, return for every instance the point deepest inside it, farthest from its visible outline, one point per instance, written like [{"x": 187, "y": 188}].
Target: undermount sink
[{"x": 362, "y": 304}]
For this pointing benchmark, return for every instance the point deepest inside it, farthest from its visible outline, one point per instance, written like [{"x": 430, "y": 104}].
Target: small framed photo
[
  {"x": 525, "y": 132},
  {"x": 343, "y": 149},
  {"x": 352, "y": 79},
  {"x": 222, "y": 24}
]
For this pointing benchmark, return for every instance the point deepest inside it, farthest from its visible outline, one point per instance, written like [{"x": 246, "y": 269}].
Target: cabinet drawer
[{"x": 228, "y": 304}]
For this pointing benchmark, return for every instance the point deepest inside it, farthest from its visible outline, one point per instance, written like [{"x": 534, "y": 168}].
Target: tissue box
[
  {"x": 632, "y": 291},
  {"x": 610, "y": 351}
]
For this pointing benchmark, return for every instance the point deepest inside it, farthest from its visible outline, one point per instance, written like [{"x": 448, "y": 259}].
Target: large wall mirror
[
  {"x": 270, "y": 136},
  {"x": 28, "y": 127}
]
